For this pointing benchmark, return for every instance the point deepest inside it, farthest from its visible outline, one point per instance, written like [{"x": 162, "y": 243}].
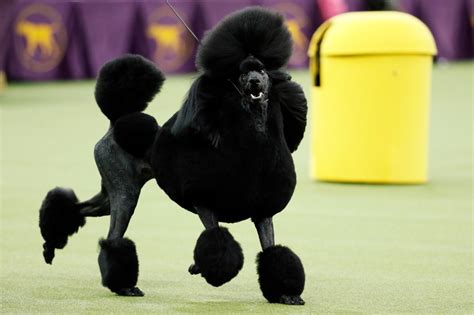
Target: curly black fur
[
  {"x": 126, "y": 85},
  {"x": 294, "y": 110},
  {"x": 251, "y": 64},
  {"x": 59, "y": 218},
  {"x": 118, "y": 263},
  {"x": 280, "y": 273},
  {"x": 251, "y": 31},
  {"x": 218, "y": 256},
  {"x": 227, "y": 150},
  {"x": 200, "y": 111},
  {"x": 135, "y": 133},
  {"x": 229, "y": 155}
]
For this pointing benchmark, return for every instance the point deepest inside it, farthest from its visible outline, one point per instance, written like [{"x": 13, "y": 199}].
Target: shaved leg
[
  {"x": 122, "y": 208},
  {"x": 123, "y": 176},
  {"x": 265, "y": 232},
  {"x": 277, "y": 286},
  {"x": 209, "y": 221},
  {"x": 97, "y": 206},
  {"x": 208, "y": 218},
  {"x": 217, "y": 255}
]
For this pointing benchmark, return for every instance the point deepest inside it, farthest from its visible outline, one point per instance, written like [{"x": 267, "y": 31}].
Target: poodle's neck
[{"x": 258, "y": 114}]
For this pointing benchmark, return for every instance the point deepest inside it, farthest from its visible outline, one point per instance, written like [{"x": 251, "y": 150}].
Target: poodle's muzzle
[{"x": 255, "y": 86}]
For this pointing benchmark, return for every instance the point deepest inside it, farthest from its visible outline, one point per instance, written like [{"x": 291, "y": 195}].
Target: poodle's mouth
[
  {"x": 255, "y": 94},
  {"x": 256, "y": 97}
]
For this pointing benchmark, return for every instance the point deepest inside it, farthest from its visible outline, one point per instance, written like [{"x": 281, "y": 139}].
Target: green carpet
[{"x": 365, "y": 248}]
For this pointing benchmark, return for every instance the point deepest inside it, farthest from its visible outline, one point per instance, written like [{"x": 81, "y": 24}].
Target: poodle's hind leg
[
  {"x": 97, "y": 206},
  {"x": 123, "y": 176},
  {"x": 61, "y": 215},
  {"x": 217, "y": 256},
  {"x": 118, "y": 260},
  {"x": 281, "y": 273}
]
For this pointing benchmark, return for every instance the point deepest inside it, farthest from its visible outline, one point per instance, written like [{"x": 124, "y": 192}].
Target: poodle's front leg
[
  {"x": 281, "y": 274},
  {"x": 208, "y": 218},
  {"x": 217, "y": 256},
  {"x": 265, "y": 232}
]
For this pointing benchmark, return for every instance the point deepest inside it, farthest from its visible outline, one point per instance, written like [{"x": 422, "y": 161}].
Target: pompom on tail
[
  {"x": 59, "y": 218},
  {"x": 126, "y": 85}
]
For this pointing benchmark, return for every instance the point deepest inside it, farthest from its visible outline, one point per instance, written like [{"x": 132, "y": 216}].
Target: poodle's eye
[{"x": 262, "y": 71}]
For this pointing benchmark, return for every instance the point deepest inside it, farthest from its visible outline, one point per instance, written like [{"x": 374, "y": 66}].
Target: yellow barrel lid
[{"x": 375, "y": 32}]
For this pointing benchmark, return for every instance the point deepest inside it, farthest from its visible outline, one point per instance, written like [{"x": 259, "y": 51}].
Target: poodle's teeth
[{"x": 257, "y": 97}]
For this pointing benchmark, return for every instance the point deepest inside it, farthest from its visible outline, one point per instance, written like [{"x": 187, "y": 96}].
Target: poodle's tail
[
  {"x": 61, "y": 215},
  {"x": 126, "y": 85},
  {"x": 124, "y": 88}
]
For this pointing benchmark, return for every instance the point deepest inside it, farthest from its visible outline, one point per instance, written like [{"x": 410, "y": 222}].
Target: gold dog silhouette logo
[
  {"x": 40, "y": 37},
  {"x": 296, "y": 20},
  {"x": 172, "y": 43}
]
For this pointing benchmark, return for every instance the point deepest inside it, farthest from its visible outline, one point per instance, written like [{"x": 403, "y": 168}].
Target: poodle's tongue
[{"x": 259, "y": 96}]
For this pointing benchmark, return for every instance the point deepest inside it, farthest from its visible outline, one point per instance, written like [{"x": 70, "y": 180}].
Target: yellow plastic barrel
[
  {"x": 3, "y": 81},
  {"x": 371, "y": 91}
]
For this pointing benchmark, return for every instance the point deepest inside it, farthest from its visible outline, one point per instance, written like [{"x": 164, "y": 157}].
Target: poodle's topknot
[{"x": 252, "y": 31}]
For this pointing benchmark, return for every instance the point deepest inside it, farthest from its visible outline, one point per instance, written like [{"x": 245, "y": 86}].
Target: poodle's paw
[
  {"x": 48, "y": 253},
  {"x": 118, "y": 263},
  {"x": 217, "y": 256},
  {"x": 291, "y": 300},
  {"x": 130, "y": 292},
  {"x": 194, "y": 269},
  {"x": 281, "y": 275},
  {"x": 59, "y": 218}
]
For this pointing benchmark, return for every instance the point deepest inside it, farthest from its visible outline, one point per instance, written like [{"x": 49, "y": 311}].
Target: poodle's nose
[{"x": 254, "y": 81}]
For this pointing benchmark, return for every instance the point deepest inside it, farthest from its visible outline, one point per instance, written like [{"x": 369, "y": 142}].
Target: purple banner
[
  {"x": 450, "y": 22},
  {"x": 40, "y": 36},
  {"x": 302, "y": 19},
  {"x": 356, "y": 5},
  {"x": 212, "y": 11},
  {"x": 168, "y": 43},
  {"x": 6, "y": 18},
  {"x": 68, "y": 39},
  {"x": 105, "y": 36}
]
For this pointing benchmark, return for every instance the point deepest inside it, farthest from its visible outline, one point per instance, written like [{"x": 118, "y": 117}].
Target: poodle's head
[
  {"x": 251, "y": 31},
  {"x": 254, "y": 82},
  {"x": 254, "y": 87}
]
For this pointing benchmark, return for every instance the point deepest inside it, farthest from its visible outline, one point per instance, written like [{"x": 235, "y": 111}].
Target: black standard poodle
[{"x": 225, "y": 156}]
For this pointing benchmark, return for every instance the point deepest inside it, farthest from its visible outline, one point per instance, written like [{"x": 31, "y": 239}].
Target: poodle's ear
[
  {"x": 278, "y": 76},
  {"x": 199, "y": 113},
  {"x": 293, "y": 108}
]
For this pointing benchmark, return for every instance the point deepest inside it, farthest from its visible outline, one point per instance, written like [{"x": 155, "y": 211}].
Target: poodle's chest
[
  {"x": 246, "y": 179},
  {"x": 256, "y": 184}
]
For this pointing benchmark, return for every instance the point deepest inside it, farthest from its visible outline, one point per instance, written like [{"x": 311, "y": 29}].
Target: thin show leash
[{"x": 197, "y": 39}]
